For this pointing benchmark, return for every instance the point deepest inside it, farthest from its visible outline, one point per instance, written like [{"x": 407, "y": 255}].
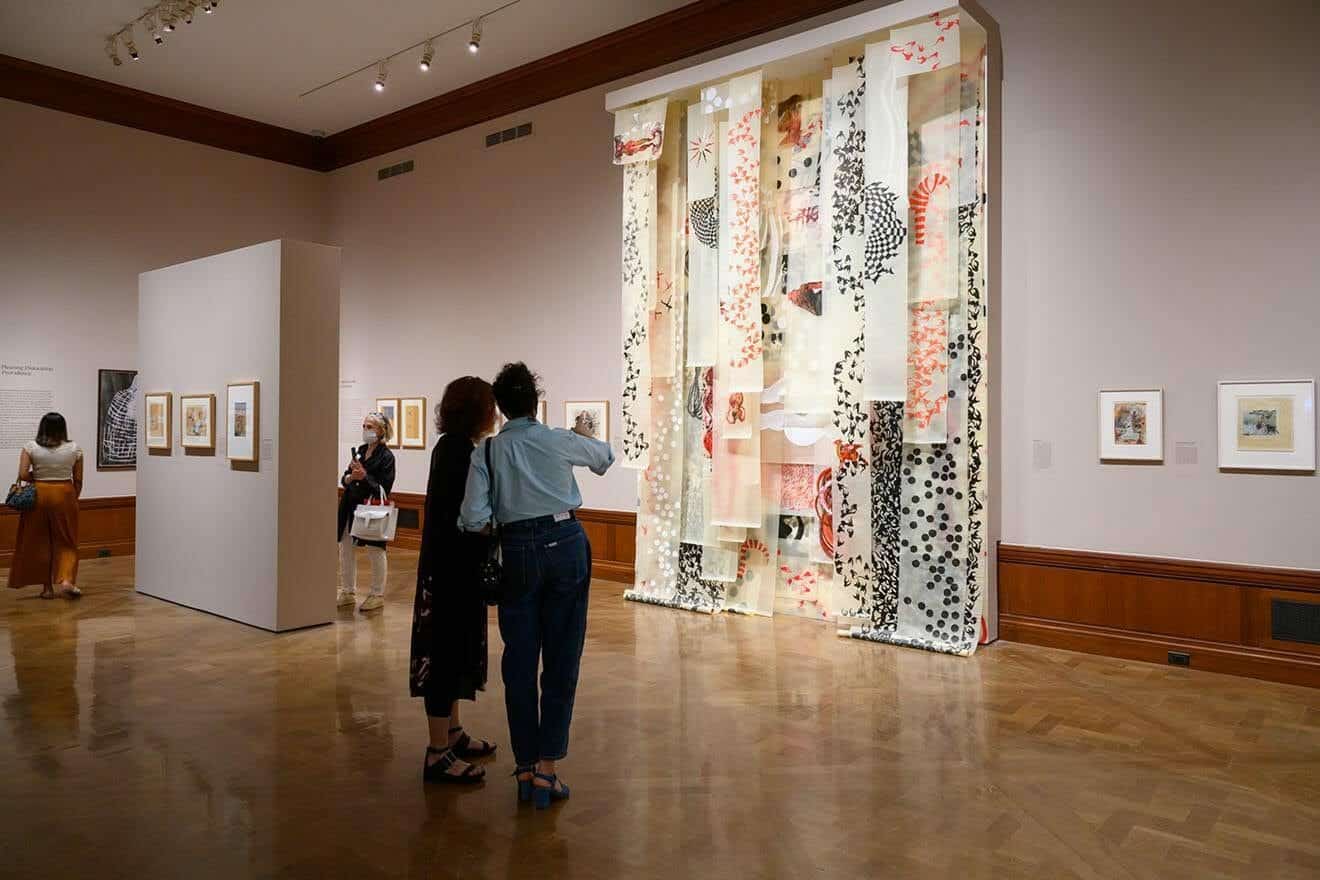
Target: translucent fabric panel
[
  {"x": 639, "y": 209},
  {"x": 740, "y": 344},
  {"x": 703, "y": 236},
  {"x": 886, "y": 208},
  {"x": 639, "y": 133},
  {"x": 852, "y": 481}
]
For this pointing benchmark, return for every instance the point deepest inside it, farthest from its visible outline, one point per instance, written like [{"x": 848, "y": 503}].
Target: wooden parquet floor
[{"x": 144, "y": 740}]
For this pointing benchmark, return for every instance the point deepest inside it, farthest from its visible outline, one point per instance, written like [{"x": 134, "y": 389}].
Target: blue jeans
[{"x": 547, "y": 566}]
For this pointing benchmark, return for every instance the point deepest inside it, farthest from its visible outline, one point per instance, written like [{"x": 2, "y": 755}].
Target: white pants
[{"x": 348, "y": 564}]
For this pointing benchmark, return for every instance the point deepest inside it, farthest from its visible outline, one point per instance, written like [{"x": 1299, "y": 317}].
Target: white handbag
[{"x": 375, "y": 521}]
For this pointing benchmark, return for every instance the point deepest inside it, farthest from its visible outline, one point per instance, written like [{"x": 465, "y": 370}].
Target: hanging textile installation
[{"x": 804, "y": 359}]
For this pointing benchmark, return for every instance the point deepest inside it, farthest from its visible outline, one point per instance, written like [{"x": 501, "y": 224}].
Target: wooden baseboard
[
  {"x": 613, "y": 534},
  {"x": 105, "y": 528},
  {"x": 1143, "y": 608},
  {"x": 1206, "y": 656}
]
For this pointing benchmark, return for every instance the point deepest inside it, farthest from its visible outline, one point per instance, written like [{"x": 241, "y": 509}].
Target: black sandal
[
  {"x": 464, "y": 749},
  {"x": 439, "y": 771}
]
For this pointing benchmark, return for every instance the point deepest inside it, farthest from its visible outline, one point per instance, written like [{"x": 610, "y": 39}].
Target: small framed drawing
[
  {"x": 389, "y": 408},
  {"x": 197, "y": 421},
  {"x": 1267, "y": 426},
  {"x": 243, "y": 422},
  {"x": 593, "y": 414},
  {"x": 543, "y": 412},
  {"x": 1132, "y": 424},
  {"x": 159, "y": 421},
  {"x": 412, "y": 423}
]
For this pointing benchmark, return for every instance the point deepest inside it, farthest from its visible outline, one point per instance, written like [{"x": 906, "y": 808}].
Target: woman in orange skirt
[{"x": 47, "y": 549}]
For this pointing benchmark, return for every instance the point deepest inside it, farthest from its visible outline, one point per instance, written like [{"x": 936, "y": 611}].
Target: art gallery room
[{"x": 765, "y": 438}]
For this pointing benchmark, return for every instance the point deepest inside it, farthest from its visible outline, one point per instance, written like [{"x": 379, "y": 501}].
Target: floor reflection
[{"x": 142, "y": 739}]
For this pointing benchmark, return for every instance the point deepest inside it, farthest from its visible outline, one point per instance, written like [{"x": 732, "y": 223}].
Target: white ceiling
[{"x": 254, "y": 57}]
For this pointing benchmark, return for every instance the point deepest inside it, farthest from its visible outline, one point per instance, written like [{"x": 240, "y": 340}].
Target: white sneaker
[
  {"x": 345, "y": 599},
  {"x": 371, "y": 603}
]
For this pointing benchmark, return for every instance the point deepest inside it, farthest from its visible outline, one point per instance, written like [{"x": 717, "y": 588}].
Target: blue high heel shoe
[
  {"x": 542, "y": 796},
  {"x": 524, "y": 785}
]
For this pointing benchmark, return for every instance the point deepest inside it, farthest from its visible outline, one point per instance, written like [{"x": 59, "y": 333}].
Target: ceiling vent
[
  {"x": 495, "y": 138},
  {"x": 395, "y": 170}
]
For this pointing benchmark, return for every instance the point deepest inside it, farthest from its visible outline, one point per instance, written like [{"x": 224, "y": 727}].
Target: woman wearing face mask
[{"x": 369, "y": 473}]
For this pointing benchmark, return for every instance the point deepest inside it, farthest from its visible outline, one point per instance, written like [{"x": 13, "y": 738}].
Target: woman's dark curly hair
[
  {"x": 517, "y": 389},
  {"x": 467, "y": 408}
]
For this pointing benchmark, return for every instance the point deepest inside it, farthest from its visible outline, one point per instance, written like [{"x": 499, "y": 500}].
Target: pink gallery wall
[
  {"x": 483, "y": 256},
  {"x": 1160, "y": 177},
  {"x": 1161, "y": 172},
  {"x": 84, "y": 207}
]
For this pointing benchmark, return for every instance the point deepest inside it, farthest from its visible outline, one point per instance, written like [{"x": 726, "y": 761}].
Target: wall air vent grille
[
  {"x": 495, "y": 138},
  {"x": 1295, "y": 621},
  {"x": 395, "y": 170}
]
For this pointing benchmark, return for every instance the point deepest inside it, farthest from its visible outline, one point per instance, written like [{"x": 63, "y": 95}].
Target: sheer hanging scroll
[{"x": 805, "y": 391}]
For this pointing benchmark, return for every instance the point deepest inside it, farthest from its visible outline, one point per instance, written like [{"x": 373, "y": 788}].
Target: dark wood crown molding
[
  {"x": 80, "y": 95},
  {"x": 672, "y": 36},
  {"x": 689, "y": 30}
]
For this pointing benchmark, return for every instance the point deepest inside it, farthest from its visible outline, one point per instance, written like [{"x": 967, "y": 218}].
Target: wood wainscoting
[
  {"x": 105, "y": 528},
  {"x": 613, "y": 535},
  {"x": 1224, "y": 618}
]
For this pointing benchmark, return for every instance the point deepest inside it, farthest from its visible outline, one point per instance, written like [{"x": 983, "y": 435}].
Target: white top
[{"x": 53, "y": 465}]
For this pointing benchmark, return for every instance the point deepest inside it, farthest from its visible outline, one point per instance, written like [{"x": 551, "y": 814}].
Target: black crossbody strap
[{"x": 490, "y": 473}]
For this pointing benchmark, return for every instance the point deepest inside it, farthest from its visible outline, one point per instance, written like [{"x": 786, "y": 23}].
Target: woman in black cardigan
[
  {"x": 370, "y": 473},
  {"x": 449, "y": 612}
]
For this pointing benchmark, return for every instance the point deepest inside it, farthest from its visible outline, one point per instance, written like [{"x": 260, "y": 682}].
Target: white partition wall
[{"x": 249, "y": 541}]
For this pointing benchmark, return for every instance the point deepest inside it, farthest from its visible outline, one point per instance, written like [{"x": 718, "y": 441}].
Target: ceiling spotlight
[
  {"x": 188, "y": 12},
  {"x": 474, "y": 43},
  {"x": 112, "y": 51},
  {"x": 381, "y": 73},
  {"x": 132, "y": 50},
  {"x": 428, "y": 52},
  {"x": 208, "y": 7}
]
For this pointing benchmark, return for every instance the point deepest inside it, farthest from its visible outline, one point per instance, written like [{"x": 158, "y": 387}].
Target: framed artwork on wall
[
  {"x": 159, "y": 419},
  {"x": 543, "y": 411},
  {"x": 593, "y": 414},
  {"x": 197, "y": 421},
  {"x": 389, "y": 408},
  {"x": 1267, "y": 426},
  {"x": 1132, "y": 424},
  {"x": 116, "y": 420},
  {"x": 412, "y": 423},
  {"x": 242, "y": 421}
]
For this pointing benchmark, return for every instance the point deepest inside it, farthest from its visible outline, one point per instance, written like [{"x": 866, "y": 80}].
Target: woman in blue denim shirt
[{"x": 547, "y": 566}]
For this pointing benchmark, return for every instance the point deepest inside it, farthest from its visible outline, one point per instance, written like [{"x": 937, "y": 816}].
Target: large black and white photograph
[{"x": 116, "y": 420}]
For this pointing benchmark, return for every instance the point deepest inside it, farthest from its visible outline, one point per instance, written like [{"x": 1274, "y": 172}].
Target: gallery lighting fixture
[
  {"x": 381, "y": 73},
  {"x": 156, "y": 22},
  {"x": 427, "y": 45}
]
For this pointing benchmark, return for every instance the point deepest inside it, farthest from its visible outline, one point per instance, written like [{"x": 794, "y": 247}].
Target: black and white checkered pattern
[
  {"x": 885, "y": 231},
  {"x": 705, "y": 219}
]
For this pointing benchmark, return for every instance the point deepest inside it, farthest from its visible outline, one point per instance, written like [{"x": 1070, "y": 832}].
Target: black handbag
[
  {"x": 490, "y": 573},
  {"x": 22, "y": 496}
]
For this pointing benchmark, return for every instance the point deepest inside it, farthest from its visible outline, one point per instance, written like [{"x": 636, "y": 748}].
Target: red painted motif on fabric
[
  {"x": 797, "y": 487},
  {"x": 928, "y": 358},
  {"x": 928, "y": 55},
  {"x": 849, "y": 453},
  {"x": 636, "y": 146},
  {"x": 708, "y": 411},
  {"x": 825, "y": 510},
  {"x": 750, "y": 546},
  {"x": 920, "y": 201},
  {"x": 740, "y": 308},
  {"x": 737, "y": 411}
]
